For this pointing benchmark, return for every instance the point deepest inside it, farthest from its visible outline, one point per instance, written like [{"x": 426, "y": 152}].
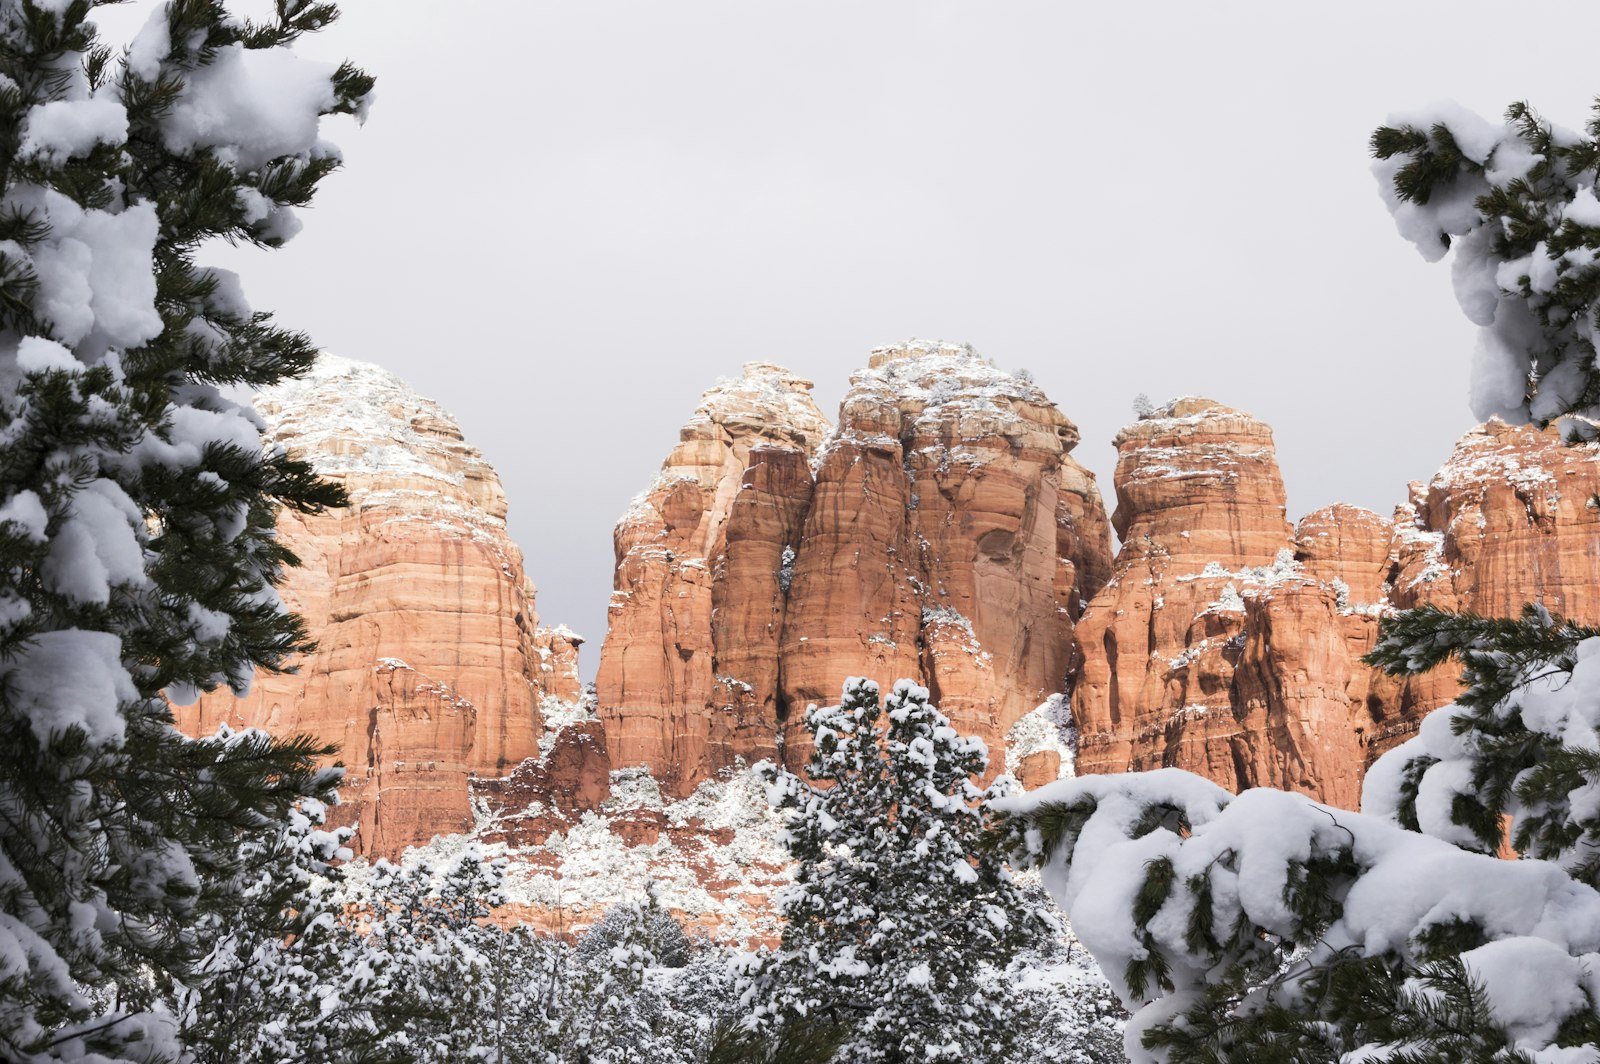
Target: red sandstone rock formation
[
  {"x": 1508, "y": 520},
  {"x": 940, "y": 532},
  {"x": 1226, "y": 645},
  {"x": 701, "y": 558},
  {"x": 1200, "y": 509},
  {"x": 431, "y": 664},
  {"x": 951, "y": 538},
  {"x": 573, "y": 777}
]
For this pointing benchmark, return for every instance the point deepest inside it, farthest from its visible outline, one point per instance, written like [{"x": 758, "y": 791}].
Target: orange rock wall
[
  {"x": 940, "y": 532},
  {"x": 951, "y": 539},
  {"x": 1229, "y": 645},
  {"x": 431, "y": 663},
  {"x": 700, "y": 563}
]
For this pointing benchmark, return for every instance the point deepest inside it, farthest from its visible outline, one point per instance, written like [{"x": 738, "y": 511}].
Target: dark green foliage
[
  {"x": 138, "y": 555},
  {"x": 1240, "y": 971},
  {"x": 796, "y": 1043},
  {"x": 1533, "y": 245},
  {"x": 1517, "y": 769},
  {"x": 649, "y": 924},
  {"x": 903, "y": 917},
  {"x": 1430, "y": 1014}
]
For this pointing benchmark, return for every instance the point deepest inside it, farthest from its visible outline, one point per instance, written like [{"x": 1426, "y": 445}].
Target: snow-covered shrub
[
  {"x": 648, "y": 925},
  {"x": 1069, "y": 1017},
  {"x": 311, "y": 967},
  {"x": 403, "y": 963},
  {"x": 1269, "y": 927},
  {"x": 610, "y": 998},
  {"x": 899, "y": 914},
  {"x": 136, "y": 504}
]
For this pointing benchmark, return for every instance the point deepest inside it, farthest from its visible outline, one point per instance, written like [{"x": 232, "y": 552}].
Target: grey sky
[{"x": 565, "y": 221}]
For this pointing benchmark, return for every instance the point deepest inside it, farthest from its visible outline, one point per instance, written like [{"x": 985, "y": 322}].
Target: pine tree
[
  {"x": 1267, "y": 927},
  {"x": 430, "y": 932},
  {"x": 296, "y": 971},
  {"x": 634, "y": 988},
  {"x": 898, "y": 909},
  {"x": 136, "y": 505},
  {"x": 1517, "y": 203}
]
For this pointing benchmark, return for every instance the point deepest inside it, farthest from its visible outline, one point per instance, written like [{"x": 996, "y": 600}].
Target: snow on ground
[{"x": 713, "y": 858}]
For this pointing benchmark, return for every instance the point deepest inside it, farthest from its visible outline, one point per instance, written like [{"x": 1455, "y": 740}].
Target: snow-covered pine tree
[
  {"x": 430, "y": 928},
  {"x": 136, "y": 505},
  {"x": 632, "y": 988},
  {"x": 358, "y": 962},
  {"x": 898, "y": 907},
  {"x": 607, "y": 1008},
  {"x": 1516, "y": 200},
  {"x": 1268, "y": 927},
  {"x": 294, "y": 972}
]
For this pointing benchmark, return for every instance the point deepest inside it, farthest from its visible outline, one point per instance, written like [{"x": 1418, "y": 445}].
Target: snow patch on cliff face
[
  {"x": 1179, "y": 463},
  {"x": 1049, "y": 727},
  {"x": 1413, "y": 537},
  {"x": 768, "y": 398},
  {"x": 1284, "y": 568},
  {"x": 641, "y": 510},
  {"x": 713, "y": 857},
  {"x": 935, "y": 374},
  {"x": 400, "y": 456},
  {"x": 1489, "y": 455},
  {"x": 558, "y": 714},
  {"x": 1199, "y": 410},
  {"x": 946, "y": 392},
  {"x": 767, "y": 406}
]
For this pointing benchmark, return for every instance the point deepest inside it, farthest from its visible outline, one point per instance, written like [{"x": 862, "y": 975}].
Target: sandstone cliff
[
  {"x": 1509, "y": 519},
  {"x": 951, "y": 538},
  {"x": 687, "y": 679},
  {"x": 940, "y": 531},
  {"x": 1230, "y": 645},
  {"x": 431, "y": 664}
]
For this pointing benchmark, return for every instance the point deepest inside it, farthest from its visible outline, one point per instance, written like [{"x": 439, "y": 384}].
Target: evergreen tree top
[
  {"x": 137, "y": 508},
  {"x": 1516, "y": 201},
  {"x": 899, "y": 914}
]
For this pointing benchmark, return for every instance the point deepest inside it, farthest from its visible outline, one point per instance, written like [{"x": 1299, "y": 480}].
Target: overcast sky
[{"x": 565, "y": 221}]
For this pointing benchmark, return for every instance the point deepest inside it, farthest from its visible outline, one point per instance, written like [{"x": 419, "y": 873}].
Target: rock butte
[
  {"x": 1229, "y": 644},
  {"x": 943, "y": 532},
  {"x": 940, "y": 532},
  {"x": 687, "y": 678},
  {"x": 431, "y": 664}
]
